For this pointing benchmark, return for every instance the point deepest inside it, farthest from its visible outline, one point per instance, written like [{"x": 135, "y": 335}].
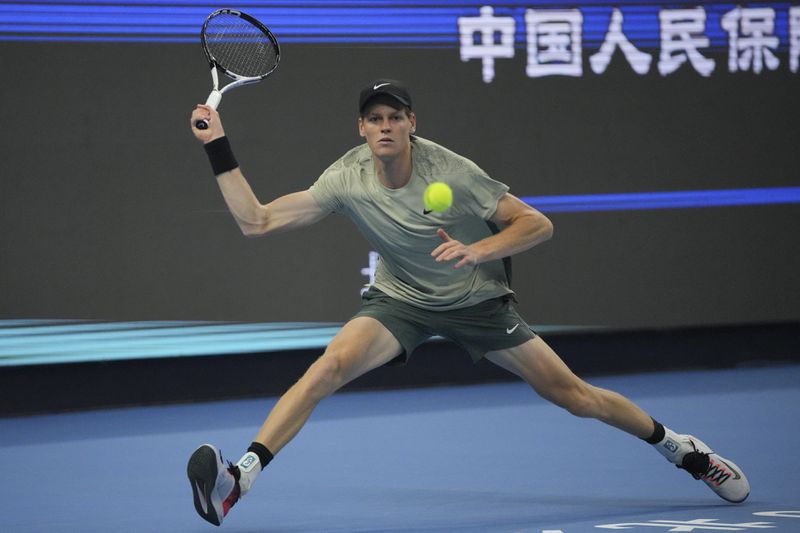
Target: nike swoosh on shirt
[
  {"x": 509, "y": 331},
  {"x": 427, "y": 211},
  {"x": 378, "y": 86}
]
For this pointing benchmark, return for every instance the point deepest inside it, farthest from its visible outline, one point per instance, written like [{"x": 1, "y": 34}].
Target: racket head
[{"x": 239, "y": 45}]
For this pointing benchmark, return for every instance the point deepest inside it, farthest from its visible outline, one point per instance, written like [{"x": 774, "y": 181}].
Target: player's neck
[{"x": 394, "y": 172}]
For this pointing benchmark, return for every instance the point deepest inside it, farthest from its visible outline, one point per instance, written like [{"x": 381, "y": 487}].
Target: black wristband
[{"x": 220, "y": 155}]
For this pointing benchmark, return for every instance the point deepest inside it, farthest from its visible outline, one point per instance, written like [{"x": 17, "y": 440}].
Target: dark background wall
[{"x": 108, "y": 208}]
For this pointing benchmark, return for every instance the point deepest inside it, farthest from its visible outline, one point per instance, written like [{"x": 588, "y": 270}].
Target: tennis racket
[{"x": 239, "y": 46}]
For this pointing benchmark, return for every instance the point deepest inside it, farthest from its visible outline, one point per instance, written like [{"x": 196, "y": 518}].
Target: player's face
[{"x": 387, "y": 130}]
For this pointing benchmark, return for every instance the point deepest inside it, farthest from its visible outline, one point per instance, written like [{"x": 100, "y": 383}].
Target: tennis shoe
[
  {"x": 215, "y": 486},
  {"x": 721, "y": 475}
]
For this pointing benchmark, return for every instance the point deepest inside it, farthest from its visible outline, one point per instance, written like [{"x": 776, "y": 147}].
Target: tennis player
[{"x": 439, "y": 274}]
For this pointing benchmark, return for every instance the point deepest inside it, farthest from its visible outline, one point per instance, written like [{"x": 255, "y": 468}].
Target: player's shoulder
[
  {"x": 355, "y": 157},
  {"x": 439, "y": 158},
  {"x": 351, "y": 161}
]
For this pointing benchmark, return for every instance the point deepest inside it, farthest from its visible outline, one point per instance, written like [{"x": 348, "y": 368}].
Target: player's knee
[
  {"x": 578, "y": 400},
  {"x": 324, "y": 377}
]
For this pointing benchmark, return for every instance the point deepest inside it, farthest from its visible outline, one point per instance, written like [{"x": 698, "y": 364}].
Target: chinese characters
[
  {"x": 486, "y": 37},
  {"x": 555, "y": 41}
]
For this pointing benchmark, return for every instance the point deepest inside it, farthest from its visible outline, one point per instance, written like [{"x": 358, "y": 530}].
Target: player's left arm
[{"x": 523, "y": 227}]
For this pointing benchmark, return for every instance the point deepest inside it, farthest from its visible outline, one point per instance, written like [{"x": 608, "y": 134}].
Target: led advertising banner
[{"x": 659, "y": 137}]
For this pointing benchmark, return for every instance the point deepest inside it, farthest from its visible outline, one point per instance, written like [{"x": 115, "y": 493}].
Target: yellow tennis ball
[{"x": 438, "y": 197}]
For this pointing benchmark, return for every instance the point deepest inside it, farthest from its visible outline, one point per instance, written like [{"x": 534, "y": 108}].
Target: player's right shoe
[
  {"x": 215, "y": 486},
  {"x": 721, "y": 475}
]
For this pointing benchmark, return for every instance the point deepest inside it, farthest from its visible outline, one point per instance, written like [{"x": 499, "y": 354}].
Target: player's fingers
[
  {"x": 444, "y": 247},
  {"x": 199, "y": 114},
  {"x": 451, "y": 253},
  {"x": 464, "y": 254},
  {"x": 448, "y": 242},
  {"x": 438, "y": 250},
  {"x": 210, "y": 110}
]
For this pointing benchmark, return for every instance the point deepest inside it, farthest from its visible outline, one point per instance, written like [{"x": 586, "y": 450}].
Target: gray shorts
[{"x": 488, "y": 326}]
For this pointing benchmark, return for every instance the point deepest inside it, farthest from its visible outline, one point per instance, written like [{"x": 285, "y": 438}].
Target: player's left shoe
[
  {"x": 721, "y": 475},
  {"x": 215, "y": 486}
]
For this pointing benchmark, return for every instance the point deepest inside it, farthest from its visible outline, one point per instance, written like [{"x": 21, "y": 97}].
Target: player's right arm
[{"x": 291, "y": 211}]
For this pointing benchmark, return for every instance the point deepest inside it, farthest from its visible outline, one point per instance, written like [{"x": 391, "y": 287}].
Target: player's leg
[
  {"x": 361, "y": 345},
  {"x": 536, "y": 363}
]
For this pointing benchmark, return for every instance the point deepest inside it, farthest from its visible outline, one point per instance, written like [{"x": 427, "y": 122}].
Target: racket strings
[{"x": 240, "y": 47}]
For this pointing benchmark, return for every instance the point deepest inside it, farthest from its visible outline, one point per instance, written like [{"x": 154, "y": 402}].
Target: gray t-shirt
[{"x": 394, "y": 223}]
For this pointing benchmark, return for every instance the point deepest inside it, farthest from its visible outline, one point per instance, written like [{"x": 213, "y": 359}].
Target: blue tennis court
[{"x": 489, "y": 457}]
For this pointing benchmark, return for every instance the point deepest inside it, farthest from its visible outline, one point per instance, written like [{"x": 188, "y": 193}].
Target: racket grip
[{"x": 212, "y": 101}]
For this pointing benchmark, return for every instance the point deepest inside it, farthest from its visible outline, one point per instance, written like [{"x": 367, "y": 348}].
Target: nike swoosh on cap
[
  {"x": 378, "y": 86},
  {"x": 512, "y": 330}
]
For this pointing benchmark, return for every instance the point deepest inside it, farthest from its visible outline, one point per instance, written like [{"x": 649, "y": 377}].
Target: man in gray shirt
[{"x": 440, "y": 273}]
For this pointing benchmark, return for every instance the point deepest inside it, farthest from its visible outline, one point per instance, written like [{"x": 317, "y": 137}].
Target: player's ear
[
  {"x": 413, "y": 119},
  {"x": 361, "y": 127}
]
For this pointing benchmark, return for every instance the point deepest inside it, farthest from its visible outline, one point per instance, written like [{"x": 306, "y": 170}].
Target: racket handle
[{"x": 212, "y": 101}]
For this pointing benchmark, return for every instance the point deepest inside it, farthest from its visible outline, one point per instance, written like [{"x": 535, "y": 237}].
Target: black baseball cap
[{"x": 392, "y": 88}]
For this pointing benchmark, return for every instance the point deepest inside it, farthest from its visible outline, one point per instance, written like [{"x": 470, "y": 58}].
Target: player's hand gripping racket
[{"x": 241, "y": 47}]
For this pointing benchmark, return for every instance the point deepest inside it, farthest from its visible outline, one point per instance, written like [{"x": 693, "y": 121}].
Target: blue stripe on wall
[
  {"x": 31, "y": 342},
  {"x": 664, "y": 200},
  {"x": 398, "y": 22}
]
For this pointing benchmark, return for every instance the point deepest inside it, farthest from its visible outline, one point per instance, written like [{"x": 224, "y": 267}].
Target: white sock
[
  {"x": 250, "y": 468},
  {"x": 673, "y": 446}
]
